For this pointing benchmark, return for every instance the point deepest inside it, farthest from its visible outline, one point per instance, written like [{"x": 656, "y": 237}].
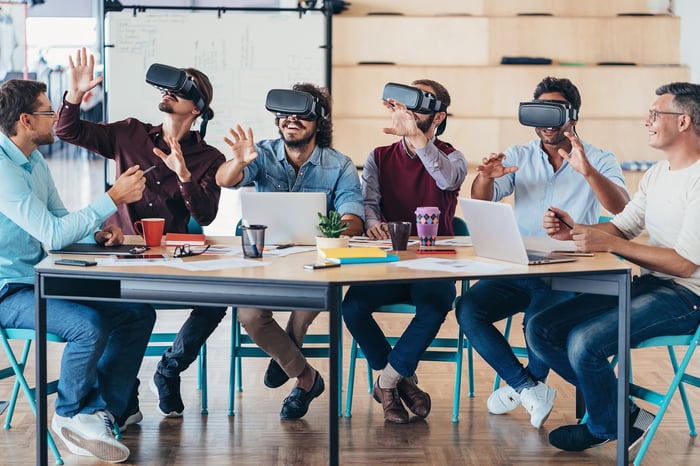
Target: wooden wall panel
[{"x": 606, "y": 91}]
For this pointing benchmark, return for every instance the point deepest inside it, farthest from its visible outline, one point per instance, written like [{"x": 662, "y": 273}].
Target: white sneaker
[
  {"x": 538, "y": 401},
  {"x": 503, "y": 400},
  {"x": 90, "y": 435}
]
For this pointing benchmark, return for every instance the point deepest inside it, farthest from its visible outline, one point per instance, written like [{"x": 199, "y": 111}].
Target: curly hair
[
  {"x": 324, "y": 125},
  {"x": 18, "y": 96}
]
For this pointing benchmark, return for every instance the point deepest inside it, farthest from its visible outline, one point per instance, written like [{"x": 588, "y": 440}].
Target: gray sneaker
[{"x": 90, "y": 435}]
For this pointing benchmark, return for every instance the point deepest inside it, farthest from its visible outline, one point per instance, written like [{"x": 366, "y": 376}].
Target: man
[
  {"x": 105, "y": 341},
  {"x": 182, "y": 185},
  {"x": 300, "y": 160},
  {"x": 577, "y": 338},
  {"x": 434, "y": 171},
  {"x": 556, "y": 169}
]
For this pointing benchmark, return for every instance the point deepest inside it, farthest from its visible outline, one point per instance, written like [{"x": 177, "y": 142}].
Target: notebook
[
  {"x": 290, "y": 217},
  {"x": 495, "y": 234}
]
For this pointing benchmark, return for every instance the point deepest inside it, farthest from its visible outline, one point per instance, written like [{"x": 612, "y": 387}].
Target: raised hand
[
  {"x": 175, "y": 160},
  {"x": 82, "y": 73},
  {"x": 577, "y": 159},
  {"x": 242, "y": 144},
  {"x": 403, "y": 122},
  {"x": 492, "y": 166}
]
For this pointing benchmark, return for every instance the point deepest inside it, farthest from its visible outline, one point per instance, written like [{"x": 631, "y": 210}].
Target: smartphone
[
  {"x": 75, "y": 262},
  {"x": 437, "y": 251},
  {"x": 326, "y": 265},
  {"x": 140, "y": 256}
]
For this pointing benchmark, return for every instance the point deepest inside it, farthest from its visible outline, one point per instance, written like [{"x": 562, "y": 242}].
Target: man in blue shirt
[
  {"x": 559, "y": 170},
  {"x": 105, "y": 341},
  {"x": 300, "y": 160}
]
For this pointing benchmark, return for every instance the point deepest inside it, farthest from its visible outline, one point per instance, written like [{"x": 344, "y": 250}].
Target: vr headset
[
  {"x": 416, "y": 100},
  {"x": 170, "y": 79},
  {"x": 284, "y": 103},
  {"x": 546, "y": 113}
]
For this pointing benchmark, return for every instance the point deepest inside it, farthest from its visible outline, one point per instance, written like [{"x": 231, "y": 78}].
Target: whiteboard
[{"x": 244, "y": 54}]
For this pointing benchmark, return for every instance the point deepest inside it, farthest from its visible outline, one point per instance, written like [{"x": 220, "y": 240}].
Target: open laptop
[
  {"x": 291, "y": 218},
  {"x": 495, "y": 234}
]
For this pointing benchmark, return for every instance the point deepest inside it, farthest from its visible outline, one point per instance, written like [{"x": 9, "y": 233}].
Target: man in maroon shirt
[{"x": 182, "y": 185}]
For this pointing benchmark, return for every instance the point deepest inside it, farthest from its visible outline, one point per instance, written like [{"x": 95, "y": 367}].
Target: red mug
[{"x": 151, "y": 230}]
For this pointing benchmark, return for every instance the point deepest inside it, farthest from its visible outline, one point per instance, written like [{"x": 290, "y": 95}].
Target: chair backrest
[
  {"x": 460, "y": 226},
  {"x": 194, "y": 227}
]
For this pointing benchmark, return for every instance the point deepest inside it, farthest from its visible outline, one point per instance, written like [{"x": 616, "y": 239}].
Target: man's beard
[
  {"x": 424, "y": 126},
  {"x": 43, "y": 139},
  {"x": 297, "y": 143},
  {"x": 165, "y": 107}
]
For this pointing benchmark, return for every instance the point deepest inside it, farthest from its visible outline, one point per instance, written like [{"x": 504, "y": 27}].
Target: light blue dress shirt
[
  {"x": 32, "y": 214},
  {"x": 537, "y": 186},
  {"x": 327, "y": 171}
]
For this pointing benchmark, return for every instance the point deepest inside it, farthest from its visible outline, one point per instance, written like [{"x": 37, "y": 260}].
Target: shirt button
[
  {"x": 158, "y": 182},
  {"x": 150, "y": 204}
]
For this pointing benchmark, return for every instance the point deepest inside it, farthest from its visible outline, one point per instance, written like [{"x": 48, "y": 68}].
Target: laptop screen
[{"x": 291, "y": 217}]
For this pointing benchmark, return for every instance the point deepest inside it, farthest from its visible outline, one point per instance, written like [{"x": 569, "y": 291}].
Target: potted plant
[{"x": 331, "y": 226}]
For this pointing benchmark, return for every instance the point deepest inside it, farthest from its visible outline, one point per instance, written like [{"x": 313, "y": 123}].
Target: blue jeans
[
  {"x": 576, "y": 339},
  {"x": 490, "y": 301},
  {"x": 433, "y": 300},
  {"x": 192, "y": 335},
  {"x": 105, "y": 345}
]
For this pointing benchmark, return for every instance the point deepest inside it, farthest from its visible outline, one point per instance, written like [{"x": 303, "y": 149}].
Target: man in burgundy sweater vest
[{"x": 417, "y": 170}]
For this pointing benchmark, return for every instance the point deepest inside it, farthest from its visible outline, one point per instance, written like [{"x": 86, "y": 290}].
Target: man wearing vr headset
[
  {"x": 181, "y": 185},
  {"x": 300, "y": 160},
  {"x": 558, "y": 169},
  {"x": 577, "y": 338},
  {"x": 417, "y": 170}
]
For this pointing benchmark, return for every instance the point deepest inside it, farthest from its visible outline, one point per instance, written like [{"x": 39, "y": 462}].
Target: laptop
[
  {"x": 495, "y": 234},
  {"x": 291, "y": 218}
]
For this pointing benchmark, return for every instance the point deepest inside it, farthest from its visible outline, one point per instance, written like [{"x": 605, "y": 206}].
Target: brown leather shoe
[
  {"x": 416, "y": 399},
  {"x": 391, "y": 402}
]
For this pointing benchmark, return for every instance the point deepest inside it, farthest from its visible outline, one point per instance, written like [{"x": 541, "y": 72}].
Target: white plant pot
[{"x": 323, "y": 242}]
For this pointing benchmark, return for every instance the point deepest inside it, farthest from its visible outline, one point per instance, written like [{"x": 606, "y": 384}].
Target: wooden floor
[{"x": 257, "y": 437}]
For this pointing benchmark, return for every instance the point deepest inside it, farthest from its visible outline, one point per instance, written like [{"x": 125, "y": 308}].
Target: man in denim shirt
[{"x": 300, "y": 160}]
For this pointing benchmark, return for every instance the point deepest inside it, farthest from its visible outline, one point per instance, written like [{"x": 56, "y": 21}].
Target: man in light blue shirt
[
  {"x": 105, "y": 341},
  {"x": 558, "y": 170},
  {"x": 300, "y": 160}
]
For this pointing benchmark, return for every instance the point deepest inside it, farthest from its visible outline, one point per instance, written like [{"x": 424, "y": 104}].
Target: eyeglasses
[
  {"x": 654, "y": 113},
  {"x": 50, "y": 113},
  {"x": 186, "y": 251}
]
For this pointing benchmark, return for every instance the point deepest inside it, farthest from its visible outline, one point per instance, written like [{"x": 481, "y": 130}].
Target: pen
[
  {"x": 149, "y": 169},
  {"x": 559, "y": 217}
]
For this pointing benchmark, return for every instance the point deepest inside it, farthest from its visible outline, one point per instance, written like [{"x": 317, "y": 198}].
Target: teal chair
[
  {"x": 242, "y": 346},
  {"x": 161, "y": 341},
  {"x": 680, "y": 378},
  {"x": 16, "y": 369},
  {"x": 441, "y": 349}
]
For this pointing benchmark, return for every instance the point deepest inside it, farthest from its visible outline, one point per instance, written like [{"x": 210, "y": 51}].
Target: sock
[
  {"x": 389, "y": 377},
  {"x": 529, "y": 383}
]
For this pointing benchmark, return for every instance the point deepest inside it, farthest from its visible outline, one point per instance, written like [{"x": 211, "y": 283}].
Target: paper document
[
  {"x": 547, "y": 244},
  {"x": 451, "y": 265},
  {"x": 457, "y": 241}
]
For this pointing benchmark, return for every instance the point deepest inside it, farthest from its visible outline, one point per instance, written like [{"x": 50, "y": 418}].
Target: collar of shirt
[
  {"x": 405, "y": 146},
  {"x": 12, "y": 152},
  {"x": 314, "y": 158}
]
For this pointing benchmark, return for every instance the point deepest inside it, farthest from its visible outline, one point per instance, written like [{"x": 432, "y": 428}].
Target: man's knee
[{"x": 253, "y": 318}]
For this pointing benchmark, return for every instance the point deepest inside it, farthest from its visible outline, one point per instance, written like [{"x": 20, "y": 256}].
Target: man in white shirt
[{"x": 577, "y": 338}]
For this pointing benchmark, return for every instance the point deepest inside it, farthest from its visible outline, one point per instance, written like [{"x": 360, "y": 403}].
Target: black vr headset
[
  {"x": 416, "y": 100},
  {"x": 546, "y": 113},
  {"x": 284, "y": 103},
  {"x": 170, "y": 79}
]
